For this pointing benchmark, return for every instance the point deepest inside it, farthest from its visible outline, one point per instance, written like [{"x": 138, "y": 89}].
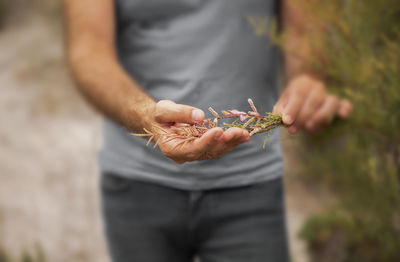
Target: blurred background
[
  {"x": 49, "y": 138},
  {"x": 342, "y": 186}
]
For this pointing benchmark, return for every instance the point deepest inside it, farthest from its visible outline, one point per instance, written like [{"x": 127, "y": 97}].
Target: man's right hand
[{"x": 211, "y": 145}]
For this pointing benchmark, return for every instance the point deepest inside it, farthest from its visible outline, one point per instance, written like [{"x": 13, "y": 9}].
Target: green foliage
[
  {"x": 358, "y": 44},
  {"x": 26, "y": 257},
  {"x": 3, "y": 256},
  {"x": 359, "y": 241},
  {"x": 36, "y": 256},
  {"x": 319, "y": 227}
]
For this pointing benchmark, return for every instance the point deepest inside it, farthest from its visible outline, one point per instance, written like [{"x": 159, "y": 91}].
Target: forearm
[
  {"x": 297, "y": 51},
  {"x": 294, "y": 62},
  {"x": 91, "y": 53},
  {"x": 110, "y": 89}
]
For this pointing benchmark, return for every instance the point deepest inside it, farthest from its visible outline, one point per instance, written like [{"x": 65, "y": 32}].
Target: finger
[
  {"x": 228, "y": 145},
  {"x": 178, "y": 150},
  {"x": 345, "y": 108},
  {"x": 313, "y": 101},
  {"x": 324, "y": 114},
  {"x": 280, "y": 105},
  {"x": 234, "y": 133},
  {"x": 220, "y": 151},
  {"x": 179, "y": 162},
  {"x": 232, "y": 137},
  {"x": 168, "y": 111},
  {"x": 205, "y": 142},
  {"x": 193, "y": 151},
  {"x": 292, "y": 108}
]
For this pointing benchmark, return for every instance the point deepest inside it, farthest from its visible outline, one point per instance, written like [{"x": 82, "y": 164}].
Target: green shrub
[
  {"x": 358, "y": 47},
  {"x": 35, "y": 256},
  {"x": 3, "y": 256}
]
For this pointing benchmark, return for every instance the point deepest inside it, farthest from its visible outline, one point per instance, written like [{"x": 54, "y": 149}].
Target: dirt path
[{"x": 48, "y": 141}]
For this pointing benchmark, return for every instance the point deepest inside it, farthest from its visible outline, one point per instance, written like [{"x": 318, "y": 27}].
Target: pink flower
[
  {"x": 251, "y": 113},
  {"x": 236, "y": 113},
  {"x": 242, "y": 117},
  {"x": 254, "y": 112}
]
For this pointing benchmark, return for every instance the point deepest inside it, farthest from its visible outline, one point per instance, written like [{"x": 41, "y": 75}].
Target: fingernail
[
  {"x": 287, "y": 119},
  {"x": 197, "y": 115},
  {"x": 217, "y": 136}
]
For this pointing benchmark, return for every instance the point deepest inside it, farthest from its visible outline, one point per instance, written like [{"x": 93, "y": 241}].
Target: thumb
[{"x": 168, "y": 111}]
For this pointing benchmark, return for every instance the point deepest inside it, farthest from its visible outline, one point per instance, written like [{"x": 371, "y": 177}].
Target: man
[{"x": 146, "y": 62}]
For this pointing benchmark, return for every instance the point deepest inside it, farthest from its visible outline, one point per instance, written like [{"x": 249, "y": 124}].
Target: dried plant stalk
[{"x": 186, "y": 133}]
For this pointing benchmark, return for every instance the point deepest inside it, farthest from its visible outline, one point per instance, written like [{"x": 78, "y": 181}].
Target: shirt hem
[{"x": 196, "y": 185}]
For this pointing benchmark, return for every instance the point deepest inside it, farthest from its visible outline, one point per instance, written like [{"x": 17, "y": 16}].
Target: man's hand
[
  {"x": 213, "y": 144},
  {"x": 306, "y": 105}
]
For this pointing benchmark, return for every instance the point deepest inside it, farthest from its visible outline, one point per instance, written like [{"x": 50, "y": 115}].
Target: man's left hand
[{"x": 306, "y": 105}]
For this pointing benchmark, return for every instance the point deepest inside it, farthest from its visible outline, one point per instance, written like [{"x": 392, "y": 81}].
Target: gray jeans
[{"x": 145, "y": 222}]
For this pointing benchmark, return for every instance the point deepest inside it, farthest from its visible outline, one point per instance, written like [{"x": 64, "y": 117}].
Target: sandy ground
[{"x": 49, "y": 138}]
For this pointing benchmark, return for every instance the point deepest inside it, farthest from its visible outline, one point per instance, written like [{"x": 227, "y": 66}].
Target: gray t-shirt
[{"x": 200, "y": 53}]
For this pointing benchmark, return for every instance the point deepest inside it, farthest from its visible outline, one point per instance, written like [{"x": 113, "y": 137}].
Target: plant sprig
[{"x": 252, "y": 121}]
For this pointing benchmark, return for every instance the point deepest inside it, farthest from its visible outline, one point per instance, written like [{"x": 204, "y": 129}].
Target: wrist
[
  {"x": 141, "y": 116},
  {"x": 307, "y": 79},
  {"x": 148, "y": 115}
]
